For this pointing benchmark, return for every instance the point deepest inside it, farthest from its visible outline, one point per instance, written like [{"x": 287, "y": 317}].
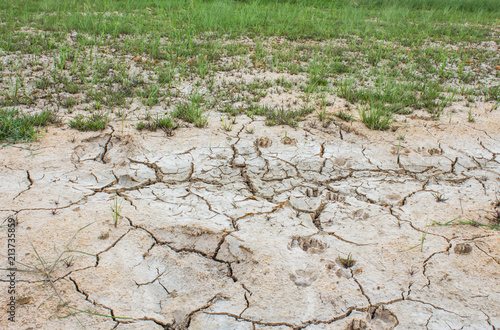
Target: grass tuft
[
  {"x": 164, "y": 122},
  {"x": 377, "y": 118},
  {"x": 192, "y": 112},
  {"x": 347, "y": 262},
  {"x": 279, "y": 116},
  {"x": 96, "y": 122},
  {"x": 16, "y": 126}
]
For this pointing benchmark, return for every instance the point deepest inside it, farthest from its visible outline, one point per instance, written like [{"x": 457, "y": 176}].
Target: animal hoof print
[
  {"x": 263, "y": 142},
  {"x": 463, "y": 248}
]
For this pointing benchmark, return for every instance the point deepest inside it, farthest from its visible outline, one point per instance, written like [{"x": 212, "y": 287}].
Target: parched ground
[
  {"x": 246, "y": 223},
  {"x": 314, "y": 227}
]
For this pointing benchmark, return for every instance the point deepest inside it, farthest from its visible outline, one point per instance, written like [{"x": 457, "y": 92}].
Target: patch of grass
[
  {"x": 192, "y": 111},
  {"x": 151, "y": 94},
  {"x": 317, "y": 74},
  {"x": 227, "y": 125},
  {"x": 344, "y": 116},
  {"x": 164, "y": 122},
  {"x": 68, "y": 103},
  {"x": 95, "y": 122},
  {"x": 71, "y": 87},
  {"x": 422, "y": 239},
  {"x": 16, "y": 94},
  {"x": 16, "y": 126},
  {"x": 347, "y": 90},
  {"x": 108, "y": 96},
  {"x": 283, "y": 83},
  {"x": 495, "y": 106},
  {"x": 403, "y": 64},
  {"x": 322, "y": 116},
  {"x": 165, "y": 76},
  {"x": 492, "y": 93},
  {"x": 376, "y": 117},
  {"x": 430, "y": 98},
  {"x": 440, "y": 198},
  {"x": 279, "y": 116},
  {"x": 314, "y": 18},
  {"x": 347, "y": 262},
  {"x": 473, "y": 223},
  {"x": 43, "y": 83},
  {"x": 232, "y": 110},
  {"x": 471, "y": 118}
]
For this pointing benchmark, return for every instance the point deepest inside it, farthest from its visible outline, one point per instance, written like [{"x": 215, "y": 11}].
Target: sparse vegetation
[
  {"x": 384, "y": 64},
  {"x": 345, "y": 116},
  {"x": 192, "y": 112},
  {"x": 116, "y": 208},
  {"x": 279, "y": 116},
  {"x": 347, "y": 262},
  {"x": 400, "y": 71},
  {"x": 377, "y": 118},
  {"x": 18, "y": 127},
  {"x": 160, "y": 122},
  {"x": 468, "y": 222},
  {"x": 95, "y": 122},
  {"x": 439, "y": 197},
  {"x": 47, "y": 269}
]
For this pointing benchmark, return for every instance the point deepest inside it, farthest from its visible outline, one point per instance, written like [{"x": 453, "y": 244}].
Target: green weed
[
  {"x": 344, "y": 116},
  {"x": 18, "y": 127},
  {"x": 160, "y": 122},
  {"x": 116, "y": 209},
  {"x": 279, "y": 116},
  {"x": 347, "y": 262},
  {"x": 376, "y": 117},
  {"x": 95, "y": 122},
  {"x": 192, "y": 112}
]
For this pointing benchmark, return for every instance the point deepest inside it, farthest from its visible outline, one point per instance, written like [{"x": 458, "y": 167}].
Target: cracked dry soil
[{"x": 232, "y": 230}]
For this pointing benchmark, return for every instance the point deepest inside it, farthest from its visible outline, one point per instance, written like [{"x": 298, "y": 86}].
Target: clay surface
[{"x": 336, "y": 227}]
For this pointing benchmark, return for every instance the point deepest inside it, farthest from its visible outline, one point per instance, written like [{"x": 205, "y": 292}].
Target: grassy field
[{"x": 90, "y": 59}]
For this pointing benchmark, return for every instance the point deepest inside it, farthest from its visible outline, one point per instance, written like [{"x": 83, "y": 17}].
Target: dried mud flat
[{"x": 318, "y": 228}]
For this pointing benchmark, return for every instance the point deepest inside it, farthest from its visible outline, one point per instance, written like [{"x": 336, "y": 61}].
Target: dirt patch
[{"x": 211, "y": 228}]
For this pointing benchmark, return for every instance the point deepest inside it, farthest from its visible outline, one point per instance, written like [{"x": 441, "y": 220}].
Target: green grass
[
  {"x": 473, "y": 223},
  {"x": 376, "y": 117},
  {"x": 344, "y": 116},
  {"x": 302, "y": 19},
  {"x": 279, "y": 116},
  {"x": 18, "y": 127},
  {"x": 95, "y": 122},
  {"x": 16, "y": 94},
  {"x": 160, "y": 122},
  {"x": 390, "y": 54},
  {"x": 192, "y": 111}
]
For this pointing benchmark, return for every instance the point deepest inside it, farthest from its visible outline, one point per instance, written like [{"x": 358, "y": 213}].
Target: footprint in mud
[
  {"x": 308, "y": 244},
  {"x": 263, "y": 142},
  {"x": 337, "y": 269},
  {"x": 334, "y": 197},
  {"x": 357, "y": 325},
  {"x": 340, "y": 161},
  {"x": 312, "y": 192},
  {"x": 397, "y": 150},
  {"x": 434, "y": 151},
  {"x": 379, "y": 319},
  {"x": 360, "y": 215},
  {"x": 462, "y": 248},
  {"x": 304, "y": 277},
  {"x": 289, "y": 140},
  {"x": 127, "y": 181}
]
